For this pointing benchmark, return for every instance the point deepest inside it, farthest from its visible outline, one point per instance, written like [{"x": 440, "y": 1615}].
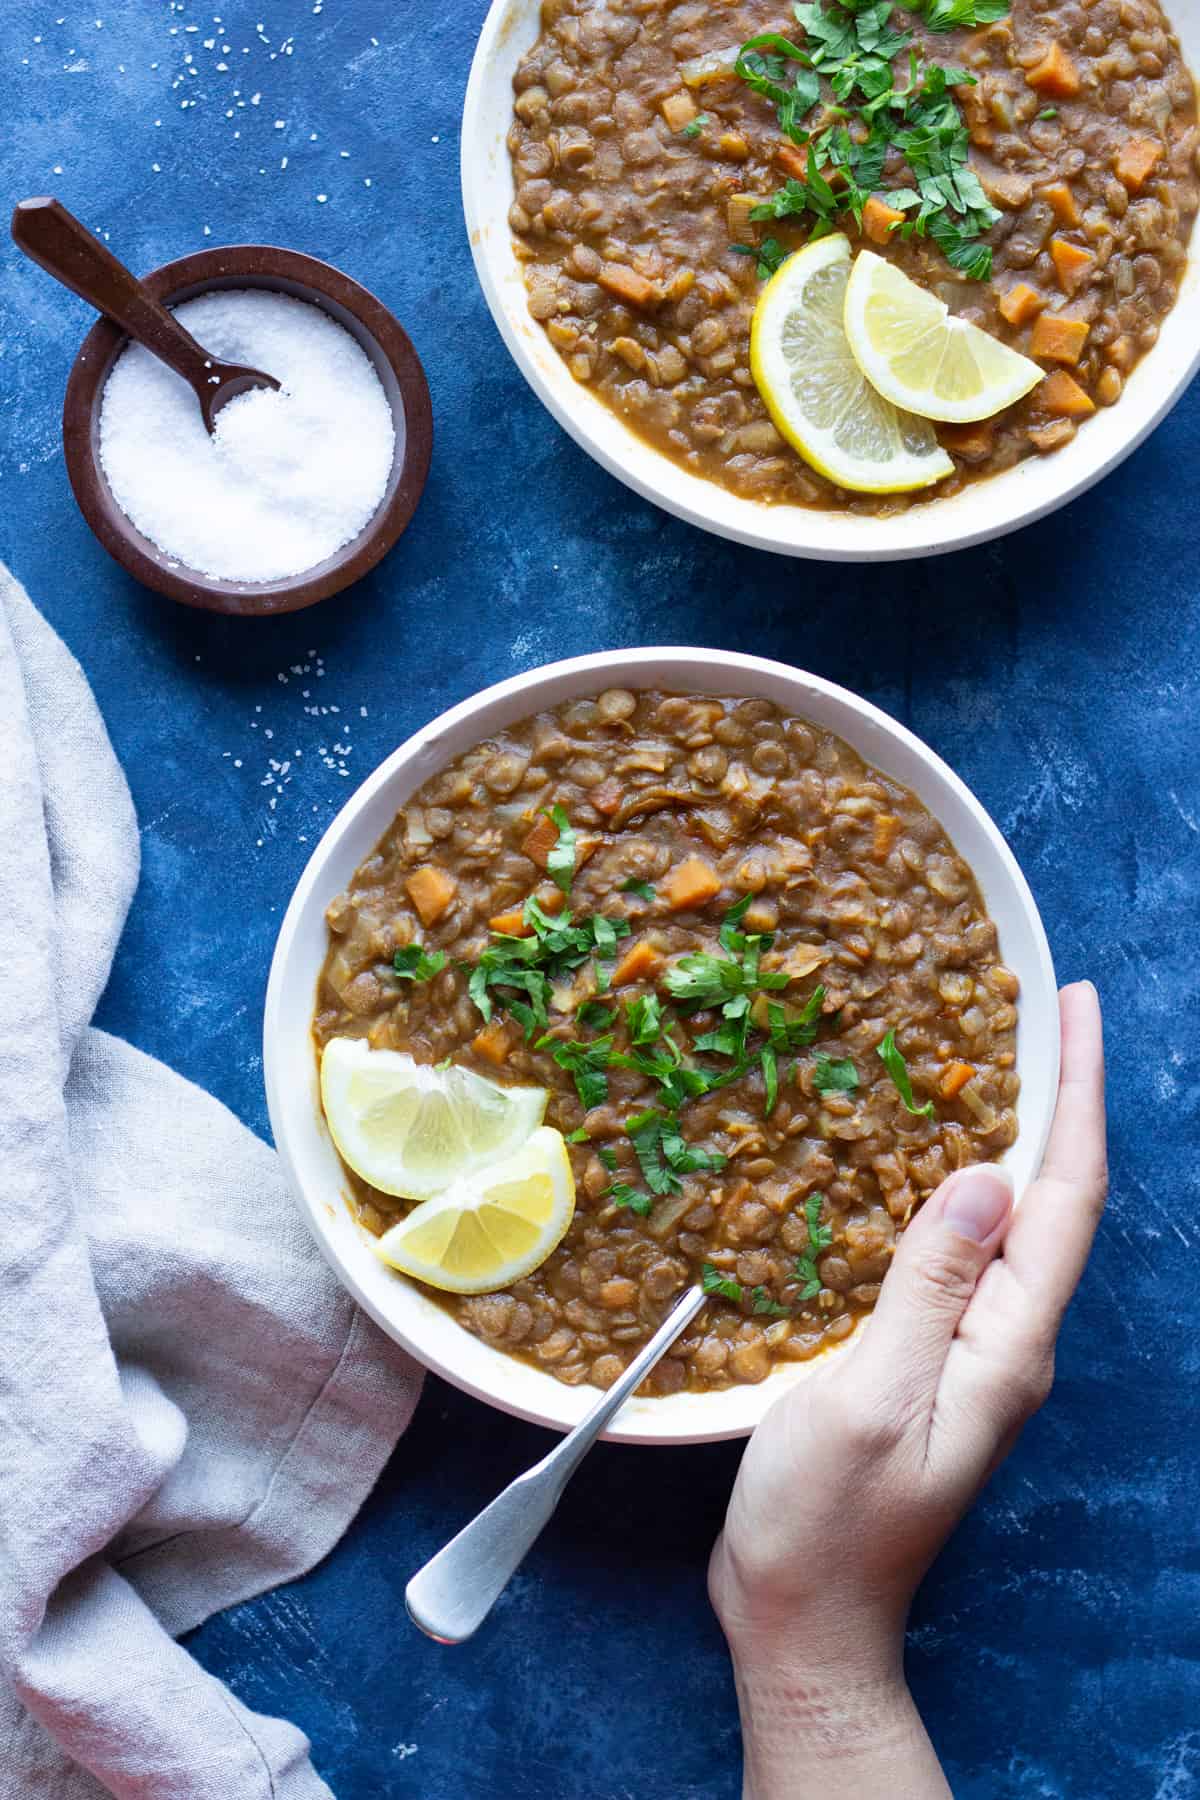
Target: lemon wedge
[
  {"x": 491, "y": 1228},
  {"x": 411, "y": 1130},
  {"x": 815, "y": 392},
  {"x": 911, "y": 350}
]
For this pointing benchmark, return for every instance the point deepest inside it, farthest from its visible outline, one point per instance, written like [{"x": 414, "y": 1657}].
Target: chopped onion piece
[
  {"x": 985, "y": 1113},
  {"x": 710, "y": 67}
]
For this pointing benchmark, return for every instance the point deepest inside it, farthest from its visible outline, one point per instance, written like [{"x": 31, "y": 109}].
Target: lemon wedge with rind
[
  {"x": 491, "y": 1228},
  {"x": 411, "y": 1130},
  {"x": 815, "y": 392},
  {"x": 910, "y": 348}
]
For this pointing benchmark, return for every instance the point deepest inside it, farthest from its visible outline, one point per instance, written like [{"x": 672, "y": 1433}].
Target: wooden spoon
[{"x": 53, "y": 237}]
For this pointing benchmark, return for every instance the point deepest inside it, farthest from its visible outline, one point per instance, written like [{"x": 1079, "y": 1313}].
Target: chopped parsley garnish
[
  {"x": 897, "y": 1068},
  {"x": 1048, "y": 112},
  {"x": 790, "y": 1029},
  {"x": 518, "y": 972},
  {"x": 447, "y": 1062},
  {"x": 585, "y": 1063},
  {"x": 762, "y": 1304},
  {"x": 621, "y": 1194},
  {"x": 594, "y": 1012},
  {"x": 644, "y": 1019},
  {"x": 770, "y": 1069},
  {"x": 831, "y": 1076},
  {"x": 769, "y": 256},
  {"x": 701, "y": 980},
  {"x": 848, "y": 142},
  {"x": 642, "y": 889},
  {"x": 581, "y": 1136},
  {"x": 607, "y": 1155},
  {"x": 713, "y": 1282},
  {"x": 819, "y": 1239},
  {"x": 695, "y": 126},
  {"x": 414, "y": 963},
  {"x": 664, "y": 1155},
  {"x": 560, "y": 863}
]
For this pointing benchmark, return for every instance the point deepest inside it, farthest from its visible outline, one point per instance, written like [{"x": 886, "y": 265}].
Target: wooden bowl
[{"x": 395, "y": 362}]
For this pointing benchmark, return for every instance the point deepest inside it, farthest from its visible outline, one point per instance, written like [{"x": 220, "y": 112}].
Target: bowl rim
[
  {"x": 262, "y": 266},
  {"x": 1014, "y": 497},
  {"x": 675, "y": 668}
]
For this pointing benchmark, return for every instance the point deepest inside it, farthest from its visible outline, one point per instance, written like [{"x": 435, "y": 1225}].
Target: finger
[
  {"x": 928, "y": 1288},
  {"x": 1054, "y": 1225}
]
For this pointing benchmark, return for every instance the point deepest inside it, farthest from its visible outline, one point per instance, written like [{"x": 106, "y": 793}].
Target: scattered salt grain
[{"x": 287, "y": 478}]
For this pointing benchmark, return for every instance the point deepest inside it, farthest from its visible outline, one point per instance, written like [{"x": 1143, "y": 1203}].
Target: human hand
[{"x": 856, "y": 1477}]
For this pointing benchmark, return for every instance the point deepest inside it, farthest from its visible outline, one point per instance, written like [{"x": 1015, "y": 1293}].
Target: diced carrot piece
[
  {"x": 494, "y": 1042},
  {"x": 886, "y": 827},
  {"x": 512, "y": 923},
  {"x": 541, "y": 840},
  {"x": 1061, "y": 396},
  {"x": 956, "y": 1077},
  {"x": 641, "y": 962},
  {"x": 678, "y": 109},
  {"x": 607, "y": 796},
  {"x": 1058, "y": 339},
  {"x": 627, "y": 285},
  {"x": 792, "y": 161},
  {"x": 1055, "y": 75},
  {"x": 431, "y": 890},
  {"x": 1136, "y": 161},
  {"x": 1020, "y": 304},
  {"x": 1071, "y": 261},
  {"x": 1061, "y": 201},
  {"x": 878, "y": 219},
  {"x": 690, "y": 883},
  {"x": 972, "y": 442}
]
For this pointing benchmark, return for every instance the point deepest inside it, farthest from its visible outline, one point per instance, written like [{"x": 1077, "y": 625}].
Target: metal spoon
[
  {"x": 54, "y": 238},
  {"x": 454, "y": 1593}
]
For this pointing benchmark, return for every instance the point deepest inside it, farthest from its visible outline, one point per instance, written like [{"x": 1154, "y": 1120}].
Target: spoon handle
[
  {"x": 66, "y": 249},
  {"x": 453, "y": 1594}
]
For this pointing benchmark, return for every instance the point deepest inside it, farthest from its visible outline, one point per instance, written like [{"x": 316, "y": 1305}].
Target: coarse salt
[{"x": 287, "y": 478}]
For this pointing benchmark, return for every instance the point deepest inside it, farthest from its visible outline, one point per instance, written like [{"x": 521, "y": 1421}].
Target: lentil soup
[
  {"x": 639, "y": 155},
  {"x": 774, "y": 1016}
]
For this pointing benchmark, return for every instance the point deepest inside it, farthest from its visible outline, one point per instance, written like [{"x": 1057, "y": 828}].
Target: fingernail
[{"x": 977, "y": 1201}]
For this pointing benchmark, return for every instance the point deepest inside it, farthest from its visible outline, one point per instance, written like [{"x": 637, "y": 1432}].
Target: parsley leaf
[
  {"x": 644, "y": 1019},
  {"x": 897, "y": 1068},
  {"x": 581, "y": 1136},
  {"x": 592, "y": 1012},
  {"x": 769, "y": 256},
  {"x": 713, "y": 1282},
  {"x": 1048, "y": 112},
  {"x": 554, "y": 948},
  {"x": 414, "y": 963},
  {"x": 763, "y": 1305},
  {"x": 621, "y": 1194},
  {"x": 792, "y": 1029},
  {"x": 819, "y": 1238},
  {"x": 834, "y": 1077},
  {"x": 560, "y": 863},
  {"x": 645, "y": 1133},
  {"x": 770, "y": 1069},
  {"x": 607, "y": 1155},
  {"x": 947, "y": 15},
  {"x": 636, "y": 886},
  {"x": 585, "y": 1063},
  {"x": 695, "y": 126},
  {"x": 762, "y": 63}
]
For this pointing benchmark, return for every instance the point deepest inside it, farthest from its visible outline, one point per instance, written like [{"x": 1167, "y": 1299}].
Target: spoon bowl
[{"x": 373, "y": 327}]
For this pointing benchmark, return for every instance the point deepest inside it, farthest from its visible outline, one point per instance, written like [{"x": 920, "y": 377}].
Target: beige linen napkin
[{"x": 191, "y": 1409}]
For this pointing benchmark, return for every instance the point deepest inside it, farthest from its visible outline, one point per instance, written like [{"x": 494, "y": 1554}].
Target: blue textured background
[{"x": 1056, "y": 1647}]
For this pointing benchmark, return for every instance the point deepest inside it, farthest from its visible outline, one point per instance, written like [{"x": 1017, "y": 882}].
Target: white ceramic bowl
[
  {"x": 983, "y": 510},
  {"x": 403, "y": 1311}
]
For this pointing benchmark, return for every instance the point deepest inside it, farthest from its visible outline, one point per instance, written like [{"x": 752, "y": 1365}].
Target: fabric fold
[{"x": 191, "y": 1408}]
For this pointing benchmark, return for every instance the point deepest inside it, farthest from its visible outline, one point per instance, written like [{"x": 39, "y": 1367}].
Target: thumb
[{"x": 929, "y": 1286}]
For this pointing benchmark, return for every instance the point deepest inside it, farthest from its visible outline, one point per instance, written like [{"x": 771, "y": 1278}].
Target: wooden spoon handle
[{"x": 54, "y": 238}]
